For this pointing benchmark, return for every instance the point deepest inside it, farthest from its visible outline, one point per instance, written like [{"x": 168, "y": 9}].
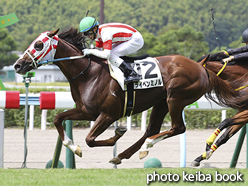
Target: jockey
[
  {"x": 239, "y": 53},
  {"x": 116, "y": 39}
]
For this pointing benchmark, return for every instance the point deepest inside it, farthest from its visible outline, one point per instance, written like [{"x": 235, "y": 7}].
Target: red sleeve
[
  {"x": 107, "y": 45},
  {"x": 99, "y": 44}
]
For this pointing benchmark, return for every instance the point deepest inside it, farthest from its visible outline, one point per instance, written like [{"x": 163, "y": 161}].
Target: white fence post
[
  {"x": 183, "y": 146},
  {"x": 1, "y": 137},
  {"x": 129, "y": 123},
  {"x": 31, "y": 117},
  {"x": 223, "y": 115},
  {"x": 91, "y": 124},
  {"x": 43, "y": 119},
  {"x": 143, "y": 120}
]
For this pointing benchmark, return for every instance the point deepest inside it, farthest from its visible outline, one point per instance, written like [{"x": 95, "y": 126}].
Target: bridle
[{"x": 48, "y": 50}]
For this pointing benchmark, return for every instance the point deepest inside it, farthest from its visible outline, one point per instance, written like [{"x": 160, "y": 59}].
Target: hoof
[
  {"x": 121, "y": 131},
  {"x": 115, "y": 161},
  {"x": 195, "y": 164},
  {"x": 143, "y": 154},
  {"x": 209, "y": 154},
  {"x": 78, "y": 151}
]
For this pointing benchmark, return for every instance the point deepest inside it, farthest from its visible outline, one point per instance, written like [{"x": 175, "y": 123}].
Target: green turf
[{"x": 109, "y": 177}]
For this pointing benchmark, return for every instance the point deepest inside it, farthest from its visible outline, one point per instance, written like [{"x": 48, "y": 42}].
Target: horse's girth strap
[{"x": 129, "y": 100}]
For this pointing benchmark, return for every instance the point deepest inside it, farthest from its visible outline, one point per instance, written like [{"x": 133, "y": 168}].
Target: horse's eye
[{"x": 38, "y": 45}]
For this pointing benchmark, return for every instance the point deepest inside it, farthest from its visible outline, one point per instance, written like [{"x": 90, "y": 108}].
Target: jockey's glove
[
  {"x": 86, "y": 51},
  {"x": 226, "y": 60}
]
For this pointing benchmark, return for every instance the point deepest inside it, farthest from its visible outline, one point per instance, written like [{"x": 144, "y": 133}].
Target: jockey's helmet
[
  {"x": 87, "y": 24},
  {"x": 245, "y": 36}
]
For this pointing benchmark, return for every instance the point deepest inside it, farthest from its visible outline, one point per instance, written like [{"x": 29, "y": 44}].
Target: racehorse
[
  {"x": 99, "y": 98},
  {"x": 236, "y": 75}
]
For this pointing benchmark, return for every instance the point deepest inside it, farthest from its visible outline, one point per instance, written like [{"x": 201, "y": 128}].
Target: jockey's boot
[{"x": 129, "y": 73}]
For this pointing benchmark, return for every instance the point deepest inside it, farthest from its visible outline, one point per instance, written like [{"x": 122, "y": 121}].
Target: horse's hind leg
[
  {"x": 156, "y": 119},
  {"x": 102, "y": 122},
  {"x": 177, "y": 127},
  {"x": 230, "y": 131},
  {"x": 224, "y": 124},
  {"x": 234, "y": 124}
]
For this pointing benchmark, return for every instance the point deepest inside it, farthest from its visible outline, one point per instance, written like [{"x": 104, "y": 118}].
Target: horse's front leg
[
  {"x": 73, "y": 114},
  {"x": 102, "y": 122}
]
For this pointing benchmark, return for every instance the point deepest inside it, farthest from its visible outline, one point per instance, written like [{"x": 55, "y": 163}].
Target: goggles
[{"x": 88, "y": 33}]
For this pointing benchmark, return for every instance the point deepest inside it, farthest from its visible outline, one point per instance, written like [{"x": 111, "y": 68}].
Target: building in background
[{"x": 45, "y": 74}]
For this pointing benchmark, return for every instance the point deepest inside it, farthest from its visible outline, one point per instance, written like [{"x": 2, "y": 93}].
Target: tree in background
[
  {"x": 7, "y": 45},
  {"x": 185, "y": 41},
  {"x": 39, "y": 16}
]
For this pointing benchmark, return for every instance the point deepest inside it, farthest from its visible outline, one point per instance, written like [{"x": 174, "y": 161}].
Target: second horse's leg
[
  {"x": 230, "y": 131},
  {"x": 235, "y": 123}
]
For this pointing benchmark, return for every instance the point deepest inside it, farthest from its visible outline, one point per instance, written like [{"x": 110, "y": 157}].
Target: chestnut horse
[
  {"x": 236, "y": 75},
  {"x": 99, "y": 97}
]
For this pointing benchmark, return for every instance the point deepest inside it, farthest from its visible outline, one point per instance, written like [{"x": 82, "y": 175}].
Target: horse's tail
[{"x": 224, "y": 95}]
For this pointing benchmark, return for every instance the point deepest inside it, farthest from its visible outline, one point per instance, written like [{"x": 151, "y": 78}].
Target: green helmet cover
[{"x": 87, "y": 23}]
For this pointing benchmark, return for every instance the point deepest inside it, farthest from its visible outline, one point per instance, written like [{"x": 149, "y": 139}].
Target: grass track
[{"x": 107, "y": 177}]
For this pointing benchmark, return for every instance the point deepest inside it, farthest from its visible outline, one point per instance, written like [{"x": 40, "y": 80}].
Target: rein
[
  {"x": 67, "y": 58},
  {"x": 221, "y": 70},
  {"x": 81, "y": 73},
  {"x": 60, "y": 59},
  {"x": 237, "y": 89}
]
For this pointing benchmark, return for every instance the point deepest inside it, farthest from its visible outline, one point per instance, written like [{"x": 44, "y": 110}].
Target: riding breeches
[{"x": 134, "y": 44}]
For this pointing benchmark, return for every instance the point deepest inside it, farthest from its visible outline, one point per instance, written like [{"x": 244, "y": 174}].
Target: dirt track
[{"x": 41, "y": 146}]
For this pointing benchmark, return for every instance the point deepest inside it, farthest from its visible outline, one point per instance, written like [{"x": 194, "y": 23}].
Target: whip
[{"x": 214, "y": 28}]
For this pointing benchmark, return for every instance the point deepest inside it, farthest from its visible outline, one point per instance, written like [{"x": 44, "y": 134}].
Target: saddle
[
  {"x": 147, "y": 68},
  {"x": 128, "y": 59}
]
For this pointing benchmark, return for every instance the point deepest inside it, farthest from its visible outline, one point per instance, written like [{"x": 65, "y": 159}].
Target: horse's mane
[{"x": 74, "y": 37}]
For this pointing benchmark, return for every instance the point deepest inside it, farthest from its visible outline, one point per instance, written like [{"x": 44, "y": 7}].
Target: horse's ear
[
  {"x": 53, "y": 33},
  {"x": 205, "y": 60}
]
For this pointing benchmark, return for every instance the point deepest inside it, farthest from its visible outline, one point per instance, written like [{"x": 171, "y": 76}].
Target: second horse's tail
[{"x": 225, "y": 95}]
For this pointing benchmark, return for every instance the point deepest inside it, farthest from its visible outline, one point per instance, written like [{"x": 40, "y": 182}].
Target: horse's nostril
[{"x": 17, "y": 66}]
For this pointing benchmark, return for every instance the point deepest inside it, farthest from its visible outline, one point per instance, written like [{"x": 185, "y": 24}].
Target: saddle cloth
[{"x": 147, "y": 69}]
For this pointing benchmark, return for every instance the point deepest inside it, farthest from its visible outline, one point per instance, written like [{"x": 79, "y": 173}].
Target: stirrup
[{"x": 132, "y": 79}]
